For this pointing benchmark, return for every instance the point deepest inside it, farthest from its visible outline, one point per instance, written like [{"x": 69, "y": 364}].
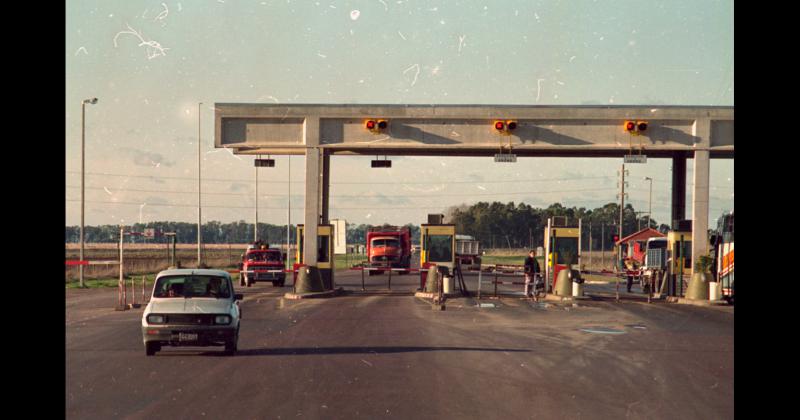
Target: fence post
[
  {"x": 362, "y": 279},
  {"x": 390, "y": 277}
]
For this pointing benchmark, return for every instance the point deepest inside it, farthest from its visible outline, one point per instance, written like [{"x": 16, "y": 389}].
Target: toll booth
[
  {"x": 438, "y": 247},
  {"x": 562, "y": 241},
  {"x": 679, "y": 255},
  {"x": 325, "y": 259}
]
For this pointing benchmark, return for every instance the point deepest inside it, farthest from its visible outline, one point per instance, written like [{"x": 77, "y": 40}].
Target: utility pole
[
  {"x": 255, "y": 227},
  {"x": 603, "y": 244},
  {"x": 650, "y": 207},
  {"x": 289, "y": 211},
  {"x": 621, "y": 199},
  {"x": 590, "y": 245},
  {"x": 199, "y": 211}
]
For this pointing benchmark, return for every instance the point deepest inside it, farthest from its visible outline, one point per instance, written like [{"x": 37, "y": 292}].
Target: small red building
[{"x": 634, "y": 246}]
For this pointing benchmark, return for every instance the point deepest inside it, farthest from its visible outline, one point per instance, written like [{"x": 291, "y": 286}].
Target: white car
[{"x": 192, "y": 308}]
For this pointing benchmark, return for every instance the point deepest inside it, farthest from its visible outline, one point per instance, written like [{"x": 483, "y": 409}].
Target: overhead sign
[
  {"x": 149, "y": 233},
  {"x": 268, "y": 163},
  {"x": 503, "y": 157},
  {"x": 635, "y": 158}
]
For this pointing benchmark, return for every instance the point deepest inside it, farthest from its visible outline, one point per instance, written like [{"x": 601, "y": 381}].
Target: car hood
[{"x": 190, "y": 306}]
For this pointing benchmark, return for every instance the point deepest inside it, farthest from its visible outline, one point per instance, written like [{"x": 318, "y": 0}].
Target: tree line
[{"x": 495, "y": 225}]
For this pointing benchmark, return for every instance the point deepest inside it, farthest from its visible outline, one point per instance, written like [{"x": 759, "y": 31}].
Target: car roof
[{"x": 190, "y": 271}]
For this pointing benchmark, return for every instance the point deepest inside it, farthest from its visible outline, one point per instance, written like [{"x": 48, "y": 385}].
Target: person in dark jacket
[{"x": 531, "y": 268}]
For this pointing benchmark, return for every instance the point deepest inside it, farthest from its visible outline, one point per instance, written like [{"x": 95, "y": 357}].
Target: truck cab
[{"x": 263, "y": 265}]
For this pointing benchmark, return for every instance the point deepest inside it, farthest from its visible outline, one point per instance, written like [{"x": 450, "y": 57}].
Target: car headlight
[
  {"x": 155, "y": 319},
  {"x": 222, "y": 319}
]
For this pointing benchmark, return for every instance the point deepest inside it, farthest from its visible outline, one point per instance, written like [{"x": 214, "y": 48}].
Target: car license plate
[{"x": 187, "y": 336}]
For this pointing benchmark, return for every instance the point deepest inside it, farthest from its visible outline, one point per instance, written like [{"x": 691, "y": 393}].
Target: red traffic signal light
[
  {"x": 636, "y": 127},
  {"x": 505, "y": 127},
  {"x": 376, "y": 126},
  {"x": 616, "y": 238}
]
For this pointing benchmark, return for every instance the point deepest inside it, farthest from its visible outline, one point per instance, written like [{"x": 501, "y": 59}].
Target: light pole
[
  {"x": 255, "y": 227},
  {"x": 199, "y": 218},
  {"x": 650, "y": 208},
  {"x": 83, "y": 165}
]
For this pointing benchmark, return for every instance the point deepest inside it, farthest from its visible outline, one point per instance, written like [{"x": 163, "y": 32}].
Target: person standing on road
[{"x": 531, "y": 269}]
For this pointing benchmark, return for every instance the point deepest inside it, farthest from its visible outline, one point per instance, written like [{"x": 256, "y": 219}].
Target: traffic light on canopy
[
  {"x": 376, "y": 125},
  {"x": 635, "y": 127},
  {"x": 505, "y": 126}
]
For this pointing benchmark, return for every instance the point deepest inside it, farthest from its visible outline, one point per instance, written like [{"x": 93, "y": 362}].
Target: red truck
[
  {"x": 388, "y": 247},
  {"x": 262, "y": 265}
]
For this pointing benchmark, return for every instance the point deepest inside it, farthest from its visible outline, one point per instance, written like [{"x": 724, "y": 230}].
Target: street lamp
[
  {"x": 199, "y": 214},
  {"x": 83, "y": 162},
  {"x": 650, "y": 209}
]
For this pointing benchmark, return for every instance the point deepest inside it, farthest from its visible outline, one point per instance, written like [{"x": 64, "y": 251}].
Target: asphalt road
[{"x": 381, "y": 354}]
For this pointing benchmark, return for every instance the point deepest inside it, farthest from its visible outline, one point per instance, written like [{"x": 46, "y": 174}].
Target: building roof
[{"x": 642, "y": 235}]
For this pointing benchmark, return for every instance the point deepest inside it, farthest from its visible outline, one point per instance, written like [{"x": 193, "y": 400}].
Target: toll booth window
[
  {"x": 566, "y": 248},
  {"x": 322, "y": 245},
  {"x": 439, "y": 248}
]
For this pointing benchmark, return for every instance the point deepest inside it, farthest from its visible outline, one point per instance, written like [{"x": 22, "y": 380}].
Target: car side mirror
[{"x": 238, "y": 296}]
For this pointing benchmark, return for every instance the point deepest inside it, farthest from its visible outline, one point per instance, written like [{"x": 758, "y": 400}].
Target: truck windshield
[
  {"x": 264, "y": 256},
  {"x": 192, "y": 286},
  {"x": 383, "y": 243}
]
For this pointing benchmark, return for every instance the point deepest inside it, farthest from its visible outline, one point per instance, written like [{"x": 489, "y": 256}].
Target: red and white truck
[{"x": 388, "y": 247}]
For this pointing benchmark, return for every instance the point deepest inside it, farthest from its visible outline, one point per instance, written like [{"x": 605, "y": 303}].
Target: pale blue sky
[{"x": 141, "y": 136}]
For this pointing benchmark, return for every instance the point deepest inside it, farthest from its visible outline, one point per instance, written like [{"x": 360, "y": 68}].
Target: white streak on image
[
  {"x": 354, "y": 14},
  {"x": 322, "y": 55},
  {"x": 481, "y": 188},
  {"x": 401, "y": 35},
  {"x": 181, "y": 7},
  {"x": 107, "y": 191},
  {"x": 163, "y": 14},
  {"x": 415, "y": 74},
  {"x": 536, "y": 15},
  {"x": 572, "y": 58},
  {"x": 154, "y": 49},
  {"x": 560, "y": 83},
  {"x": 385, "y": 6},
  {"x": 82, "y": 49},
  {"x": 538, "y": 88},
  {"x": 461, "y": 39}
]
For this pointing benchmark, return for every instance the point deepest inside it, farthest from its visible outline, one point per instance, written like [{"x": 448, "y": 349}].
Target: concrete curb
[
  {"x": 697, "y": 302},
  {"x": 325, "y": 294},
  {"x": 428, "y": 295}
]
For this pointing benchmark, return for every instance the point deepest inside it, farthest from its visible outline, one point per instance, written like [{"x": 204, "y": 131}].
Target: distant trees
[{"x": 495, "y": 225}]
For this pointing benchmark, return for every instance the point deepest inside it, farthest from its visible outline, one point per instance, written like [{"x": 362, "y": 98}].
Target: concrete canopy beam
[{"x": 467, "y": 130}]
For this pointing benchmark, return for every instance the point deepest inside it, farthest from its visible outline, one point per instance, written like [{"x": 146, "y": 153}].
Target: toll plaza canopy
[{"x": 318, "y": 131}]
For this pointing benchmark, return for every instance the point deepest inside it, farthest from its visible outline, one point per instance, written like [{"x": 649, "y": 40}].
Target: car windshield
[
  {"x": 264, "y": 256},
  {"x": 192, "y": 286}
]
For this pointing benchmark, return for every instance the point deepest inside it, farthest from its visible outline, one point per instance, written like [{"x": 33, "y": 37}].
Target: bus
[{"x": 722, "y": 240}]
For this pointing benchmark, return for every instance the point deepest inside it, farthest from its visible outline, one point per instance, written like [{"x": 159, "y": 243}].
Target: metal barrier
[{"x": 389, "y": 285}]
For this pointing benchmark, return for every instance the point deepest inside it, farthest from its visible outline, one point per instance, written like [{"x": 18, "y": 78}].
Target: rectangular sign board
[
  {"x": 502, "y": 157},
  {"x": 635, "y": 158},
  {"x": 149, "y": 233},
  {"x": 268, "y": 163}
]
